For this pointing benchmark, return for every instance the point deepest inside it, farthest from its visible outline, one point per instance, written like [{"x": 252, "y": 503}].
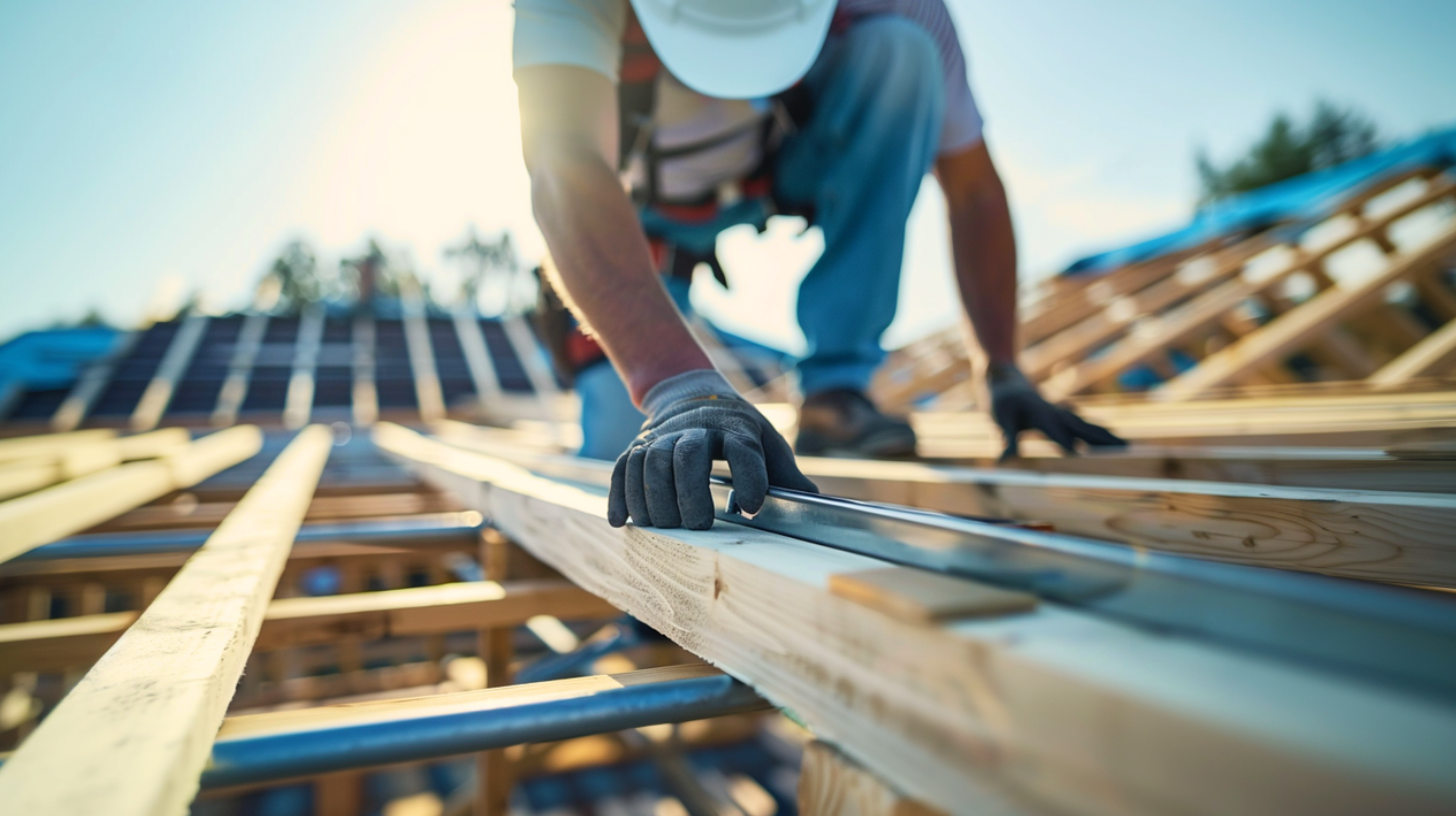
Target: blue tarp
[
  {"x": 42, "y": 360},
  {"x": 1308, "y": 198}
]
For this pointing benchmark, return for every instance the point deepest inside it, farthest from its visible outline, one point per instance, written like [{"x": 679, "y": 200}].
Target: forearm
[
  {"x": 984, "y": 247},
  {"x": 605, "y": 269}
]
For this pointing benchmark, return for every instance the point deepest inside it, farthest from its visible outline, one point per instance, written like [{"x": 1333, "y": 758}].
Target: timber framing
[
  {"x": 1043, "y": 710},
  {"x": 176, "y": 667}
]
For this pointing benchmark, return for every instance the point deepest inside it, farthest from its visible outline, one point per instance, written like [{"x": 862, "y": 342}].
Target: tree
[
  {"x": 1332, "y": 136},
  {"x": 373, "y": 273},
  {"x": 295, "y": 274},
  {"x": 485, "y": 260}
]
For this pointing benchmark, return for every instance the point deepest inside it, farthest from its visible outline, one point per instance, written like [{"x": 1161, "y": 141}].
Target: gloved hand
[
  {"x": 1017, "y": 406},
  {"x": 661, "y": 480}
]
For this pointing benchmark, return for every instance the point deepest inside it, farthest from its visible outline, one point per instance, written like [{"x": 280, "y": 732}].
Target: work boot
[{"x": 843, "y": 422}]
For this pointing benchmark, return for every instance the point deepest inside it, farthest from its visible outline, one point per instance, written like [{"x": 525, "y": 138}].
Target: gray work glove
[
  {"x": 661, "y": 480},
  {"x": 1017, "y": 406}
]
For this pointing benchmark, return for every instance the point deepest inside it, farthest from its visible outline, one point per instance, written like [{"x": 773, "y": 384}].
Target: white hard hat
[{"x": 736, "y": 49}]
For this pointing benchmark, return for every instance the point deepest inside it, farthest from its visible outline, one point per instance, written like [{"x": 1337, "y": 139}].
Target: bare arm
[
  {"x": 984, "y": 247},
  {"x": 985, "y": 263},
  {"x": 569, "y": 137}
]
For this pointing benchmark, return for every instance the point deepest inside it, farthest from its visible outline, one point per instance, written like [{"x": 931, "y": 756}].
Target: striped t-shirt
[{"x": 588, "y": 34}]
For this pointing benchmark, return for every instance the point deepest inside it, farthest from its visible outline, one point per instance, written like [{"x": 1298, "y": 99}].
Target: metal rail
[
  {"x": 428, "y": 528},
  {"x": 536, "y": 713},
  {"x": 1385, "y": 634},
  {"x": 1382, "y": 633}
]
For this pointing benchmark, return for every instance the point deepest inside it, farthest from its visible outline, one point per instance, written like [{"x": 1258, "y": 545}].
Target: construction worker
[{"x": 713, "y": 113}]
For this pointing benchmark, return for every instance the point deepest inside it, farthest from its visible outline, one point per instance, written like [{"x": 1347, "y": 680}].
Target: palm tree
[{"x": 484, "y": 259}]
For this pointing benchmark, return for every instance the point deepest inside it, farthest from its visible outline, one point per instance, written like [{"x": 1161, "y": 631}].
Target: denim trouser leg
[
  {"x": 609, "y": 420},
  {"x": 878, "y": 101}
]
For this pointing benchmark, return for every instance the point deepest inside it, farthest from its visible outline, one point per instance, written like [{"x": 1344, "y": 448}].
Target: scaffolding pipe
[{"x": 527, "y": 714}]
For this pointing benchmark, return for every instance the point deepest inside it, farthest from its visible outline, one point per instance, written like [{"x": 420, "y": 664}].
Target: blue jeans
[{"x": 878, "y": 99}]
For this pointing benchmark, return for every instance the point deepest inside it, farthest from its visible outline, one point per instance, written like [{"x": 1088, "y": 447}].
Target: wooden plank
[
  {"x": 1048, "y": 710},
  {"x": 133, "y": 736},
  {"x": 74, "y": 461},
  {"x": 1156, "y": 334},
  {"x": 1290, "y": 331},
  {"x": 1369, "y": 534},
  {"x": 1435, "y": 354},
  {"x": 298, "y": 404},
  {"x": 365, "y": 396},
  {"x": 154, "y": 400},
  {"x": 421, "y": 355},
  {"x": 917, "y": 596},
  {"x": 477, "y": 356},
  {"x": 832, "y": 784},
  {"x": 67, "y": 643},
  {"x": 49, "y": 514},
  {"x": 91, "y": 383},
  {"x": 240, "y": 369},
  {"x": 50, "y": 445}
]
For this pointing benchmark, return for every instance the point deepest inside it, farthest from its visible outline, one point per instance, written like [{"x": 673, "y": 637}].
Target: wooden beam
[
  {"x": 832, "y": 784},
  {"x": 133, "y": 736},
  {"x": 240, "y": 368},
  {"x": 421, "y": 355},
  {"x": 1369, "y": 534},
  {"x": 1046, "y": 710},
  {"x": 1292, "y": 330},
  {"x": 154, "y": 400},
  {"x": 1157, "y": 333},
  {"x": 1433, "y": 355},
  {"x": 74, "y": 461},
  {"x": 365, "y": 396},
  {"x": 50, "y": 445},
  {"x": 477, "y": 356},
  {"x": 298, "y": 404},
  {"x": 68, "y": 643},
  {"x": 78, "y": 403},
  {"x": 46, "y": 515}
]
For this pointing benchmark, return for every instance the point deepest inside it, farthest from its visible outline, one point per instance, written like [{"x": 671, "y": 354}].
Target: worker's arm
[
  {"x": 569, "y": 138},
  {"x": 604, "y": 272},
  {"x": 984, "y": 248}
]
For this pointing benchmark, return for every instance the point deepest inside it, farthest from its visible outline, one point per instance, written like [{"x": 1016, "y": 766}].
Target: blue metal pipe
[
  {"x": 571, "y": 664},
  {"x": 421, "y": 529},
  {"x": 339, "y": 746}
]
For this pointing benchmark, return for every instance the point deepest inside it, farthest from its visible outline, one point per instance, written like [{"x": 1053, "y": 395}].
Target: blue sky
[{"x": 148, "y": 149}]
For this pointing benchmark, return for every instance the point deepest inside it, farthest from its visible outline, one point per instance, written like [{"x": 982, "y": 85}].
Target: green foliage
[
  {"x": 295, "y": 274},
  {"x": 484, "y": 258},
  {"x": 1332, "y": 135}
]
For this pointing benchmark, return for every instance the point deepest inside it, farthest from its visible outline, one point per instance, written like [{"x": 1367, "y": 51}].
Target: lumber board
[
  {"x": 477, "y": 356},
  {"x": 1301, "y": 325},
  {"x": 1046, "y": 710},
  {"x": 29, "y": 447},
  {"x": 832, "y": 784},
  {"x": 91, "y": 383},
  {"x": 74, "y": 461},
  {"x": 428, "y": 395},
  {"x": 49, "y": 514},
  {"x": 66, "y": 643},
  {"x": 1177, "y": 325},
  {"x": 1433, "y": 354},
  {"x": 298, "y": 403},
  {"x": 235, "y": 387},
  {"x": 1369, "y": 534},
  {"x": 158, "y": 395},
  {"x": 133, "y": 736},
  {"x": 918, "y": 596},
  {"x": 365, "y": 396}
]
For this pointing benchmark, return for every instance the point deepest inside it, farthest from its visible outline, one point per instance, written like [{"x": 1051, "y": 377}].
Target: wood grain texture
[
  {"x": 66, "y": 643},
  {"x": 133, "y": 736},
  {"x": 917, "y": 596},
  {"x": 1049, "y": 710},
  {"x": 832, "y": 784},
  {"x": 1388, "y": 536},
  {"x": 49, "y": 514}
]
